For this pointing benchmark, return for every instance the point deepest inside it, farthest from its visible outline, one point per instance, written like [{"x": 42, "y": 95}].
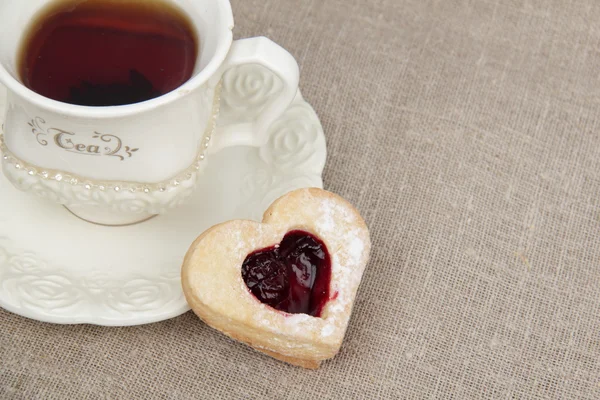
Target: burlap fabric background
[{"x": 468, "y": 134}]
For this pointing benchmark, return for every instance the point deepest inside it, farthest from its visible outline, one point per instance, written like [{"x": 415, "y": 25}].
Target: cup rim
[{"x": 225, "y": 40}]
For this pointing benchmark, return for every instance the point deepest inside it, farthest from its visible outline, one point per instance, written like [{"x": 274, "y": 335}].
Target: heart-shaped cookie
[{"x": 285, "y": 286}]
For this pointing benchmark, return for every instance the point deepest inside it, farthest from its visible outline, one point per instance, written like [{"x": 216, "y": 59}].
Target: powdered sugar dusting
[
  {"x": 240, "y": 245},
  {"x": 297, "y": 321},
  {"x": 327, "y": 330},
  {"x": 297, "y": 318},
  {"x": 356, "y": 248},
  {"x": 326, "y": 223},
  {"x": 337, "y": 306},
  {"x": 349, "y": 216}
]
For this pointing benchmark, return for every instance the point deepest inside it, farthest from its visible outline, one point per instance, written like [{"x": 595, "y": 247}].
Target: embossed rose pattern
[
  {"x": 51, "y": 293},
  {"x": 144, "y": 294},
  {"x": 49, "y": 190},
  {"x": 25, "y": 263},
  {"x": 256, "y": 182},
  {"x": 247, "y": 90},
  {"x": 294, "y": 141},
  {"x": 29, "y": 283},
  {"x": 98, "y": 283},
  {"x": 293, "y": 158},
  {"x": 120, "y": 201}
]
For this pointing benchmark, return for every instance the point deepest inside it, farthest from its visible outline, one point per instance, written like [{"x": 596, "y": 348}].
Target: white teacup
[{"x": 122, "y": 164}]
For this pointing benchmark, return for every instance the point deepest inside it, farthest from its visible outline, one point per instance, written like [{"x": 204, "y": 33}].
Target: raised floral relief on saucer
[{"x": 37, "y": 289}]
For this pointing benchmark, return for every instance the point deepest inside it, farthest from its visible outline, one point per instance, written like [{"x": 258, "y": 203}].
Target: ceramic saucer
[{"x": 57, "y": 268}]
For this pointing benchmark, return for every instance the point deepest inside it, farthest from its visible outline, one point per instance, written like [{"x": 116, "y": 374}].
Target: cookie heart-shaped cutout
[
  {"x": 285, "y": 286},
  {"x": 293, "y": 276}
]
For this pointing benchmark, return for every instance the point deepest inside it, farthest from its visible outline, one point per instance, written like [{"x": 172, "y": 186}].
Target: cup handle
[{"x": 265, "y": 52}]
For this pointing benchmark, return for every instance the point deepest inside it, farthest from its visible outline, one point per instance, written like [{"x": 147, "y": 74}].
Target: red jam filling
[{"x": 293, "y": 277}]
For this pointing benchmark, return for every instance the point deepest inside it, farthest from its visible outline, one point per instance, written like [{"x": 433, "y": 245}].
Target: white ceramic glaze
[
  {"x": 56, "y": 268},
  {"x": 154, "y": 144}
]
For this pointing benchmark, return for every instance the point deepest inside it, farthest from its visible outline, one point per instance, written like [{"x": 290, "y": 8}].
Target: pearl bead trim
[{"x": 75, "y": 180}]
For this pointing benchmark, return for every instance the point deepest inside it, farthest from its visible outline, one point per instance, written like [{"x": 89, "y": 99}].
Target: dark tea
[{"x": 108, "y": 52}]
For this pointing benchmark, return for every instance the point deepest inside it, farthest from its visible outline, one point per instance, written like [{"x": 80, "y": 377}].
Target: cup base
[{"x": 108, "y": 218}]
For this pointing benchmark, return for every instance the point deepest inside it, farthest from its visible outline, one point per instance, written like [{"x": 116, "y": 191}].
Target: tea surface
[{"x": 108, "y": 52}]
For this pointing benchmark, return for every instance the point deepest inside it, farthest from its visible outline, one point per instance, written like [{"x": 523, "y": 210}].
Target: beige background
[{"x": 467, "y": 133}]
